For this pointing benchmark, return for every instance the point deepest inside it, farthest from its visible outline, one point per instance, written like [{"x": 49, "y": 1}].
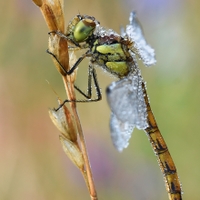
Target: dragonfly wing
[
  {"x": 135, "y": 33},
  {"x": 120, "y": 132},
  {"x": 126, "y": 100}
]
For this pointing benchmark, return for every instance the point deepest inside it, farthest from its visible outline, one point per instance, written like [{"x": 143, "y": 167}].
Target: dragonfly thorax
[{"x": 111, "y": 54}]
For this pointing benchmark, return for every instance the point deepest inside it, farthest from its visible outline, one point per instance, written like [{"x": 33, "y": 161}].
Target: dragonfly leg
[
  {"x": 87, "y": 54},
  {"x": 88, "y": 95},
  {"x": 91, "y": 75}
]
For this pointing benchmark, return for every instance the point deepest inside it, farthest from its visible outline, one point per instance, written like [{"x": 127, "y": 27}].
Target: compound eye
[{"x": 84, "y": 29}]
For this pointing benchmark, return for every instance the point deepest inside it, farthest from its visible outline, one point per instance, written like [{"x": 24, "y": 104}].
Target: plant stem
[{"x": 87, "y": 173}]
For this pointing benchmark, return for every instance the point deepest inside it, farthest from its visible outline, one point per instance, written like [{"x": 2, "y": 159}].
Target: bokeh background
[{"x": 32, "y": 162}]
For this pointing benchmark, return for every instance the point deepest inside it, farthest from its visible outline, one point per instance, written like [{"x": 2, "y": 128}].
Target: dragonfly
[{"x": 117, "y": 54}]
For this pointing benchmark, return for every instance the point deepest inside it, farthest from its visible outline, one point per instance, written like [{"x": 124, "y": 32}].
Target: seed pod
[
  {"x": 72, "y": 151},
  {"x": 64, "y": 121}
]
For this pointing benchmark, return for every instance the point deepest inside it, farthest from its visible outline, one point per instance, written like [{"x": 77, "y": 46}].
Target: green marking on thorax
[
  {"x": 111, "y": 49},
  {"x": 119, "y": 68}
]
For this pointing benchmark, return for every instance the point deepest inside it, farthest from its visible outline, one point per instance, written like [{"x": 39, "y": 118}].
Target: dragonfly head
[{"x": 81, "y": 27}]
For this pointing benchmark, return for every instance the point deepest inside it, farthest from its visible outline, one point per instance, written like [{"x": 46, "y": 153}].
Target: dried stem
[
  {"x": 52, "y": 11},
  {"x": 87, "y": 172}
]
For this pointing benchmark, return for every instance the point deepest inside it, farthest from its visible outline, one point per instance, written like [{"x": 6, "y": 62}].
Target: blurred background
[{"x": 33, "y": 164}]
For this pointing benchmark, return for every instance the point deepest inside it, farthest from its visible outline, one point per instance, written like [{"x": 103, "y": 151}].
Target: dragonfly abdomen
[
  {"x": 164, "y": 158},
  {"x": 166, "y": 163}
]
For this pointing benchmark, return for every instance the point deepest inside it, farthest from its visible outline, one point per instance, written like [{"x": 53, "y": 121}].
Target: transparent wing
[
  {"x": 120, "y": 132},
  {"x": 126, "y": 100},
  {"x": 135, "y": 33}
]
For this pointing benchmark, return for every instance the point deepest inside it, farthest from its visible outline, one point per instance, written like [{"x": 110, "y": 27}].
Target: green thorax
[{"x": 112, "y": 54}]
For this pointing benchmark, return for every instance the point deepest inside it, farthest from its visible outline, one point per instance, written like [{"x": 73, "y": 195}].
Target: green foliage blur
[{"x": 33, "y": 164}]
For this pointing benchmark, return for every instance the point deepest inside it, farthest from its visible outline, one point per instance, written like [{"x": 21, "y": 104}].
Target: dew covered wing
[
  {"x": 120, "y": 132},
  {"x": 134, "y": 33},
  {"x": 126, "y": 100}
]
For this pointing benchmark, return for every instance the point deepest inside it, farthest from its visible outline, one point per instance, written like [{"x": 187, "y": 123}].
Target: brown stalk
[{"x": 52, "y": 11}]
